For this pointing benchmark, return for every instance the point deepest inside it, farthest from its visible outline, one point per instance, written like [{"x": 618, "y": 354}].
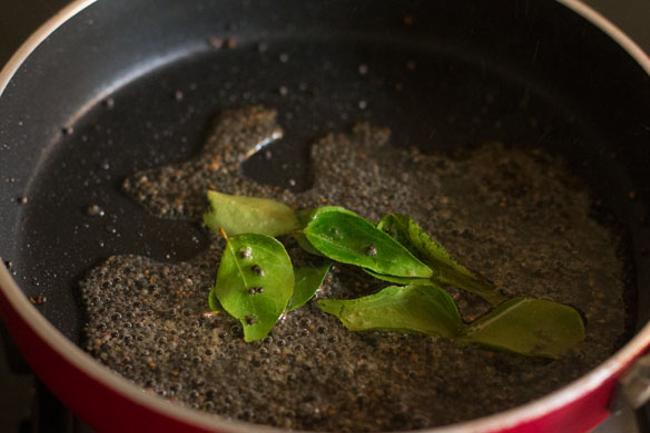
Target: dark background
[{"x": 19, "y": 18}]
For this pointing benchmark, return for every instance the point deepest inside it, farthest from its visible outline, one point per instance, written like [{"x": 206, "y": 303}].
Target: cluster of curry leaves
[{"x": 256, "y": 282}]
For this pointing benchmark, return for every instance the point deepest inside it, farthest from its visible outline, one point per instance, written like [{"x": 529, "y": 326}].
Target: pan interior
[
  {"x": 430, "y": 99},
  {"x": 441, "y": 95}
]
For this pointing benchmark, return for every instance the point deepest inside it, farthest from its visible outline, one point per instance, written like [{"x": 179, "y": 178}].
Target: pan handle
[{"x": 633, "y": 393}]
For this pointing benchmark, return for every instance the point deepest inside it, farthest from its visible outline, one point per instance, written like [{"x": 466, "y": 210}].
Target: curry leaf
[
  {"x": 345, "y": 237},
  {"x": 213, "y": 302},
  {"x": 308, "y": 281},
  {"x": 302, "y": 241},
  {"x": 446, "y": 270},
  {"x": 254, "y": 282},
  {"x": 420, "y": 308},
  {"x": 532, "y": 327},
  {"x": 403, "y": 281},
  {"x": 304, "y": 215},
  {"x": 239, "y": 214}
]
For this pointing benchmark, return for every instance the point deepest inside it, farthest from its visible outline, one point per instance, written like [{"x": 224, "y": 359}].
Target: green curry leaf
[
  {"x": 213, "y": 302},
  {"x": 345, "y": 237},
  {"x": 532, "y": 327},
  {"x": 419, "y": 308},
  {"x": 254, "y": 282},
  {"x": 308, "y": 281},
  {"x": 446, "y": 270},
  {"x": 402, "y": 281},
  {"x": 302, "y": 241},
  {"x": 239, "y": 214}
]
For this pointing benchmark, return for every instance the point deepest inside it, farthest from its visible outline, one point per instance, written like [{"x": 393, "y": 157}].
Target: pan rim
[{"x": 85, "y": 363}]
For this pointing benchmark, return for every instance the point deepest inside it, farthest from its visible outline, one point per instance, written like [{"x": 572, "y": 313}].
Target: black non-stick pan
[{"x": 112, "y": 87}]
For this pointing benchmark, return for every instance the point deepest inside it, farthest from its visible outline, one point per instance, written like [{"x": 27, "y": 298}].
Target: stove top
[{"x": 26, "y": 405}]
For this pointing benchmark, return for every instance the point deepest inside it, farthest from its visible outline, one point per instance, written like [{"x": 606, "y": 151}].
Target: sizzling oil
[{"x": 516, "y": 216}]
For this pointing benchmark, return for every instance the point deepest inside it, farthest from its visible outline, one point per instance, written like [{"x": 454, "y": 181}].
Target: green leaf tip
[
  {"x": 446, "y": 269},
  {"x": 532, "y": 327},
  {"x": 308, "y": 280},
  {"x": 213, "y": 303},
  {"x": 240, "y": 214}
]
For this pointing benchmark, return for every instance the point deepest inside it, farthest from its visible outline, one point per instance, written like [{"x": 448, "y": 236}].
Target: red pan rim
[{"x": 81, "y": 360}]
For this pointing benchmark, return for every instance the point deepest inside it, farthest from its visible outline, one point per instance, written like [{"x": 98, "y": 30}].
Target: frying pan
[{"x": 108, "y": 87}]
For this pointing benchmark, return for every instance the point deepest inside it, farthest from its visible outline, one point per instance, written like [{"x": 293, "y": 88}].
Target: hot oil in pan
[{"x": 515, "y": 215}]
